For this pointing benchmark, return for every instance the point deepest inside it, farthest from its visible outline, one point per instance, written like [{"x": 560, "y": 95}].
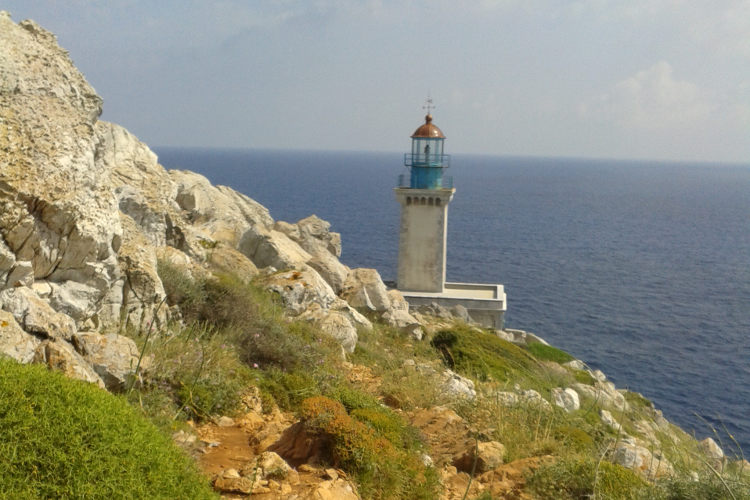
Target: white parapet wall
[{"x": 486, "y": 303}]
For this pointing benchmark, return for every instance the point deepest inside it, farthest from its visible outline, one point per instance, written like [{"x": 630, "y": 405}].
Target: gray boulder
[
  {"x": 60, "y": 355},
  {"x": 567, "y": 399},
  {"x": 365, "y": 289},
  {"x": 113, "y": 357},
  {"x": 14, "y": 342},
  {"x": 35, "y": 315}
]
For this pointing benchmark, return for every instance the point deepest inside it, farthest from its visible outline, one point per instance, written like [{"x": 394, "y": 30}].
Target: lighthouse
[{"x": 424, "y": 193}]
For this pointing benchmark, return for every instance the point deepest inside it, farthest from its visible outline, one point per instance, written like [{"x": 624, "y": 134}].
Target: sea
[{"x": 639, "y": 268}]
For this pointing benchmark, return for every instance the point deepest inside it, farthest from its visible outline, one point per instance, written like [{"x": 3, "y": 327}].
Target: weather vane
[{"x": 428, "y": 105}]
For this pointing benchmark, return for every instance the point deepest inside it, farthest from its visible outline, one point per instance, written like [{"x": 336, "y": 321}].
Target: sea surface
[{"x": 641, "y": 269}]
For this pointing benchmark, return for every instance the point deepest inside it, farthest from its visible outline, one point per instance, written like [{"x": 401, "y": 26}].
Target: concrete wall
[{"x": 422, "y": 238}]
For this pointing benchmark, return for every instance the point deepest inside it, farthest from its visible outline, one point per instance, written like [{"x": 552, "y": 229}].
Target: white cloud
[{"x": 652, "y": 99}]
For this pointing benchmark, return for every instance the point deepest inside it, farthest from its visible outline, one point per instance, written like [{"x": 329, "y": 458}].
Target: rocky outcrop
[{"x": 79, "y": 251}]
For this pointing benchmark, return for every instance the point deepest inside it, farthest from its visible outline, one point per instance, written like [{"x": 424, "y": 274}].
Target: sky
[{"x": 623, "y": 79}]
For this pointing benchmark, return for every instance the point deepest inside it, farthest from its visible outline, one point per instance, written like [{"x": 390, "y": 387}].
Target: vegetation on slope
[
  {"x": 234, "y": 335},
  {"x": 63, "y": 438}
]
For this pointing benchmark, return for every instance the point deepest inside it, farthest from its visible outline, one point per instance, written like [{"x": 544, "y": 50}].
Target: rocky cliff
[
  {"x": 86, "y": 210},
  {"x": 87, "y": 213}
]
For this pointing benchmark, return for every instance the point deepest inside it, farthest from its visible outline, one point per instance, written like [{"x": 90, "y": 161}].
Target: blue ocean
[{"x": 641, "y": 269}]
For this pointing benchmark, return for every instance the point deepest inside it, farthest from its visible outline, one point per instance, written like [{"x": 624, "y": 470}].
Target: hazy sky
[{"x": 661, "y": 79}]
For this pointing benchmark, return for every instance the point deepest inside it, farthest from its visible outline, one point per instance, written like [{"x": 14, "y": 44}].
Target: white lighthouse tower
[
  {"x": 424, "y": 199},
  {"x": 424, "y": 195}
]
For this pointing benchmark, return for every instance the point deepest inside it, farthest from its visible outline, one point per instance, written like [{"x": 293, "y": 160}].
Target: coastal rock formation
[{"x": 86, "y": 211}]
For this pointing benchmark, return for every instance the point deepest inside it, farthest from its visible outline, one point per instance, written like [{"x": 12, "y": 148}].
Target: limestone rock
[
  {"x": 35, "y": 315},
  {"x": 228, "y": 260},
  {"x": 14, "y": 342},
  {"x": 300, "y": 289},
  {"x": 567, "y": 399},
  {"x": 113, "y": 357},
  {"x": 60, "y": 355},
  {"x": 365, "y": 289},
  {"x": 532, "y": 397},
  {"x": 357, "y": 319},
  {"x": 522, "y": 337},
  {"x": 241, "y": 485},
  {"x": 436, "y": 310},
  {"x": 455, "y": 385},
  {"x": 714, "y": 453},
  {"x": 404, "y": 321},
  {"x": 488, "y": 456},
  {"x": 604, "y": 393},
  {"x": 610, "y": 421},
  {"x": 641, "y": 460},
  {"x": 142, "y": 291},
  {"x": 272, "y": 248},
  {"x": 330, "y": 269},
  {"x": 335, "y": 324},
  {"x": 273, "y": 466},
  {"x": 576, "y": 364},
  {"x": 313, "y": 234},
  {"x": 218, "y": 211},
  {"x": 22, "y": 274}
]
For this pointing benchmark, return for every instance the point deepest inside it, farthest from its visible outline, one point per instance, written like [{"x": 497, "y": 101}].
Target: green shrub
[
  {"x": 197, "y": 369},
  {"x": 577, "y": 477},
  {"x": 638, "y": 400},
  {"x": 287, "y": 390},
  {"x": 708, "y": 487},
  {"x": 63, "y": 438},
  {"x": 584, "y": 377},
  {"x": 545, "y": 352},
  {"x": 182, "y": 289},
  {"x": 483, "y": 356},
  {"x": 361, "y": 446},
  {"x": 575, "y": 438}
]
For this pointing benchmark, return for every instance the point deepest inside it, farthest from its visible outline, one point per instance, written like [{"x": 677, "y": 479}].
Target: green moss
[
  {"x": 63, "y": 438},
  {"x": 544, "y": 352}
]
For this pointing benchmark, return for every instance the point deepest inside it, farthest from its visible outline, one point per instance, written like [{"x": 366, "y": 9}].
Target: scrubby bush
[
  {"x": 63, "y": 438},
  {"x": 583, "y": 477},
  {"x": 482, "y": 356},
  {"x": 545, "y": 352},
  {"x": 372, "y": 445}
]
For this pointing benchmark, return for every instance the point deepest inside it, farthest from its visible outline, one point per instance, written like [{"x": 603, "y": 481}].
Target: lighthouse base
[{"x": 486, "y": 303}]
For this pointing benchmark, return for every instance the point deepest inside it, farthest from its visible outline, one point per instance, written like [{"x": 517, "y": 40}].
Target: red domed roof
[{"x": 428, "y": 129}]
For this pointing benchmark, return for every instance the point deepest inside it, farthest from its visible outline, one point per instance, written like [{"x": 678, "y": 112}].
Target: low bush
[
  {"x": 582, "y": 477},
  {"x": 362, "y": 444},
  {"x": 483, "y": 356},
  {"x": 544, "y": 352},
  {"x": 196, "y": 371},
  {"x": 63, "y": 438}
]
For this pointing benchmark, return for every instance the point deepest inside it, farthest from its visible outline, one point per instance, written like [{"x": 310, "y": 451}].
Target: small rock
[
  {"x": 567, "y": 399},
  {"x": 225, "y": 422},
  {"x": 610, "y": 421},
  {"x": 273, "y": 465},
  {"x": 234, "y": 485},
  {"x": 576, "y": 364},
  {"x": 331, "y": 474},
  {"x": 713, "y": 451},
  {"x": 231, "y": 474},
  {"x": 598, "y": 375}
]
